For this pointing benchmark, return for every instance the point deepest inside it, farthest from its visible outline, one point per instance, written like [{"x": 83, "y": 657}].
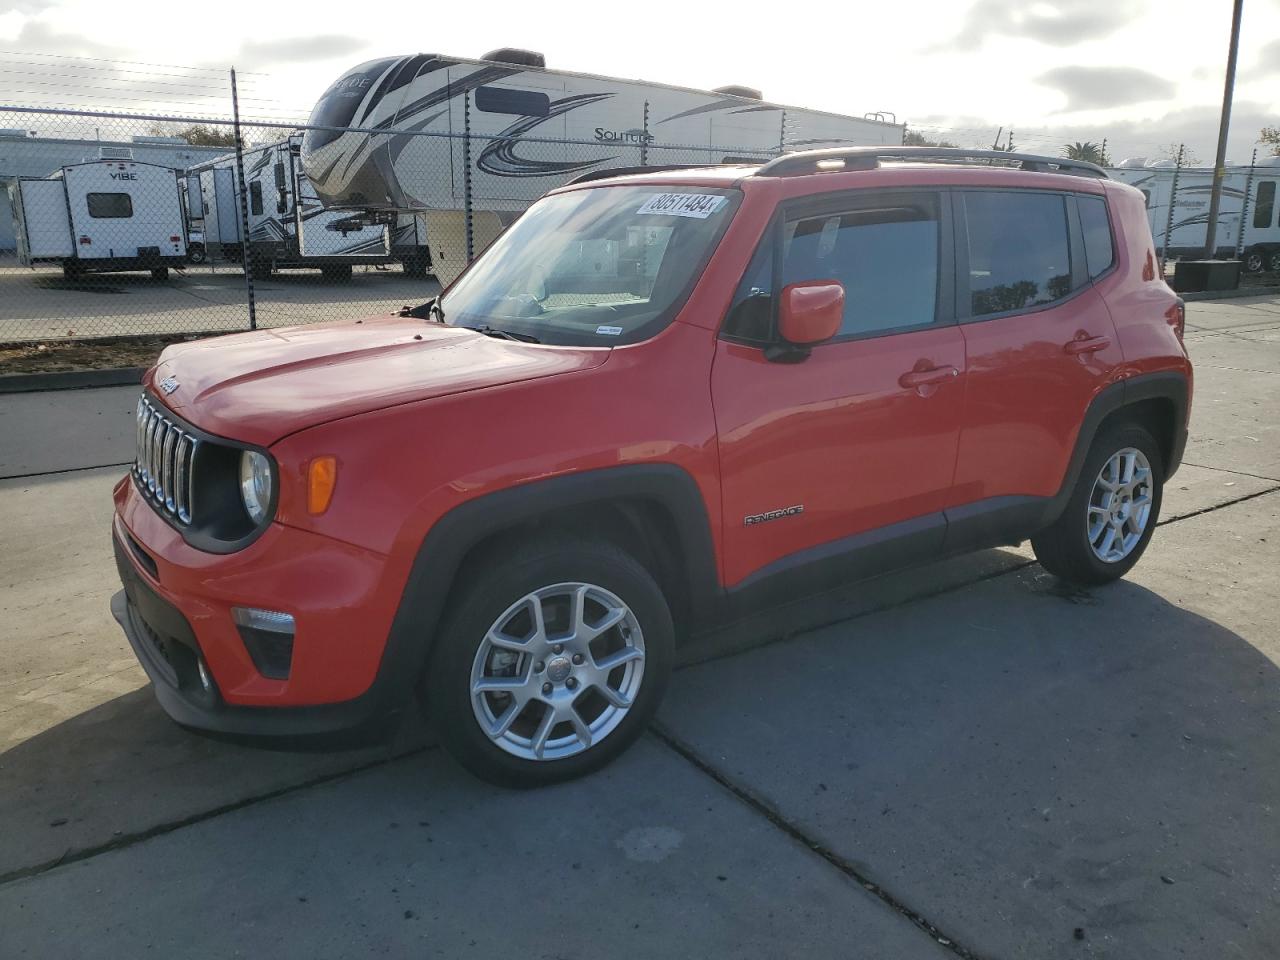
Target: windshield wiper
[{"x": 489, "y": 331}]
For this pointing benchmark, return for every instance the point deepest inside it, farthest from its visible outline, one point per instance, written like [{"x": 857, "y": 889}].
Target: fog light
[{"x": 268, "y": 636}]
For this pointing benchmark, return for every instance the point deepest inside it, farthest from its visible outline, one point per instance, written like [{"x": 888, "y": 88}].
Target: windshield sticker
[
  {"x": 698, "y": 205},
  {"x": 609, "y": 331}
]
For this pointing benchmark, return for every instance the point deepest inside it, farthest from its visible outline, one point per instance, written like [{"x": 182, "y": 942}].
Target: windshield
[{"x": 602, "y": 266}]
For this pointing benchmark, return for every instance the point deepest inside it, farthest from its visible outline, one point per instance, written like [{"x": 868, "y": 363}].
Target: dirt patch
[{"x": 63, "y": 355}]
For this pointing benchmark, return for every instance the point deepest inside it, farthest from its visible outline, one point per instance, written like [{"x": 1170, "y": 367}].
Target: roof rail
[
  {"x": 868, "y": 158},
  {"x": 654, "y": 168}
]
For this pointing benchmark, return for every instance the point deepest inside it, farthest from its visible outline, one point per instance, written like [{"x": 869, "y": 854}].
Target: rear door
[
  {"x": 858, "y": 438},
  {"x": 1039, "y": 338}
]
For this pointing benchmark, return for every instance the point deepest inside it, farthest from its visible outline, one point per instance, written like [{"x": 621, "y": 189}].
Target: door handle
[
  {"x": 923, "y": 378},
  {"x": 1083, "y": 345}
]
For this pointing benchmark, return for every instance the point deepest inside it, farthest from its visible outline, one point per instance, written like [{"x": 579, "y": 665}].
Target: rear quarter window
[{"x": 1099, "y": 250}]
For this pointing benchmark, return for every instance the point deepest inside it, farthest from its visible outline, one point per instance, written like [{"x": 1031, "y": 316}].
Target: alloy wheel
[
  {"x": 1119, "y": 505},
  {"x": 557, "y": 671}
]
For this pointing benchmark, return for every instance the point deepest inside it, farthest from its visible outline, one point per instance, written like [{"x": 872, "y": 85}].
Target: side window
[
  {"x": 1019, "y": 250},
  {"x": 1266, "y": 203},
  {"x": 110, "y": 206},
  {"x": 255, "y": 198},
  {"x": 1094, "y": 223},
  {"x": 885, "y": 255}
]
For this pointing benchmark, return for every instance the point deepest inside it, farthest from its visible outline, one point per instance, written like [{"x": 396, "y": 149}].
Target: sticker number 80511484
[{"x": 699, "y": 205}]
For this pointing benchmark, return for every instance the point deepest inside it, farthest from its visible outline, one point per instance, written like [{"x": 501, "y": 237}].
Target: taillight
[{"x": 1177, "y": 317}]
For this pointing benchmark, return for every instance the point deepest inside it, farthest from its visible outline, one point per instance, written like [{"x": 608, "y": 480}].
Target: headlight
[{"x": 255, "y": 484}]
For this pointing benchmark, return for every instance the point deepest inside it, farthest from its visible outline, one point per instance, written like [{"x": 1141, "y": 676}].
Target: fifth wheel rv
[
  {"x": 425, "y": 134},
  {"x": 287, "y": 225},
  {"x": 101, "y": 216},
  {"x": 1248, "y": 218}
]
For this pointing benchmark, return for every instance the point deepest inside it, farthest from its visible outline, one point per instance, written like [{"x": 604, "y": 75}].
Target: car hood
[{"x": 261, "y": 386}]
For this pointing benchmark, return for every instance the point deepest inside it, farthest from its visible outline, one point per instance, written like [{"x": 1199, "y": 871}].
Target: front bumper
[
  {"x": 152, "y": 624},
  {"x": 175, "y": 610}
]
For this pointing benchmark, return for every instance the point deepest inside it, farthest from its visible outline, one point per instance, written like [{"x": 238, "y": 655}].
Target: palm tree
[{"x": 1087, "y": 151}]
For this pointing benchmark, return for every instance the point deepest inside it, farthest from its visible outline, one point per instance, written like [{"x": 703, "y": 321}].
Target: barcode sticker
[{"x": 698, "y": 205}]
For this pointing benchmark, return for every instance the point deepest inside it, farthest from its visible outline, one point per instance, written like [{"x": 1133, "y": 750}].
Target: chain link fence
[{"x": 143, "y": 225}]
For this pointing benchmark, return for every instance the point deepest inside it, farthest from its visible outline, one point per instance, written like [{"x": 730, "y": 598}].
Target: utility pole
[{"x": 1219, "y": 165}]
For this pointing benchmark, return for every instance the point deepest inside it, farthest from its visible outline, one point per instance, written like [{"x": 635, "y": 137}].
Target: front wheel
[
  {"x": 551, "y": 662},
  {"x": 1113, "y": 510}
]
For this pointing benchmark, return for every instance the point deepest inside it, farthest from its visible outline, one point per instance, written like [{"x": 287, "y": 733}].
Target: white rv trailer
[
  {"x": 101, "y": 216},
  {"x": 288, "y": 227},
  {"x": 1249, "y": 204},
  {"x": 527, "y": 130}
]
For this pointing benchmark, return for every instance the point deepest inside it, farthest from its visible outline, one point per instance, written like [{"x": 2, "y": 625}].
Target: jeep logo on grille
[{"x": 168, "y": 385}]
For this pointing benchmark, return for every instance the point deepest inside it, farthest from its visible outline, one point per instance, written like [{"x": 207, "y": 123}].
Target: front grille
[{"x": 163, "y": 466}]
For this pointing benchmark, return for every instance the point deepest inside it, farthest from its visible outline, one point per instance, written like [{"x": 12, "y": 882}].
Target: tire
[
  {"x": 497, "y": 600},
  {"x": 259, "y": 268},
  {"x": 1069, "y": 548},
  {"x": 160, "y": 274},
  {"x": 196, "y": 253},
  {"x": 416, "y": 265},
  {"x": 1273, "y": 261},
  {"x": 336, "y": 273},
  {"x": 1253, "y": 261}
]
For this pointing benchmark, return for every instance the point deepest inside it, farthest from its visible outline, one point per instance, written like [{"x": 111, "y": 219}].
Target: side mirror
[{"x": 810, "y": 312}]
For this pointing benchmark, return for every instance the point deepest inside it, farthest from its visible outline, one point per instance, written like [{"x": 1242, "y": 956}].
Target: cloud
[
  {"x": 1196, "y": 126},
  {"x": 256, "y": 55},
  {"x": 38, "y": 37},
  {"x": 1062, "y": 23},
  {"x": 1268, "y": 61},
  {"x": 1098, "y": 88}
]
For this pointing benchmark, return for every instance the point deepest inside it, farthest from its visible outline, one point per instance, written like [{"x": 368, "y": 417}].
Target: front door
[{"x": 854, "y": 444}]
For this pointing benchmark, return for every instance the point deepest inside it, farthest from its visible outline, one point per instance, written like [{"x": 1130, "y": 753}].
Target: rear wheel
[
  {"x": 1113, "y": 510},
  {"x": 1253, "y": 261},
  {"x": 196, "y": 253},
  {"x": 551, "y": 662},
  {"x": 1273, "y": 261}
]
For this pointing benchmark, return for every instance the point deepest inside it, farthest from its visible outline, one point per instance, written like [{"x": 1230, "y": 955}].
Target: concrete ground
[
  {"x": 40, "y": 304},
  {"x": 969, "y": 759}
]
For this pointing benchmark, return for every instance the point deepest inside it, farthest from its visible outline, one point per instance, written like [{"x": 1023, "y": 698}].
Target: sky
[{"x": 1138, "y": 73}]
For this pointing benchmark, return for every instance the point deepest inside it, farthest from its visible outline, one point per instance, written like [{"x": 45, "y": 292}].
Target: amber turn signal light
[{"x": 322, "y": 477}]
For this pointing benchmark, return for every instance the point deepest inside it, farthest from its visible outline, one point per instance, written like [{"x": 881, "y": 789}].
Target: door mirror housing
[{"x": 808, "y": 313}]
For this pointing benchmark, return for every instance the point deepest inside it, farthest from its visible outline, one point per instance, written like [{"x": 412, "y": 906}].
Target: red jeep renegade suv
[{"x": 658, "y": 402}]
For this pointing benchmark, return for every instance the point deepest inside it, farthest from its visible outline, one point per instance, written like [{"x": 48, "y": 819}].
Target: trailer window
[
  {"x": 1266, "y": 203},
  {"x": 255, "y": 198},
  {"x": 110, "y": 206}
]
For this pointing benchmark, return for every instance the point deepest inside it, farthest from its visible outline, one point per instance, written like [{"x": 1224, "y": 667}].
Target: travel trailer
[
  {"x": 288, "y": 227},
  {"x": 435, "y": 135},
  {"x": 1249, "y": 204},
  {"x": 101, "y": 216}
]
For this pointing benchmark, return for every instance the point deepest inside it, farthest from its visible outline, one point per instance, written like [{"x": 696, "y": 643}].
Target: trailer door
[
  {"x": 43, "y": 228},
  {"x": 226, "y": 205}
]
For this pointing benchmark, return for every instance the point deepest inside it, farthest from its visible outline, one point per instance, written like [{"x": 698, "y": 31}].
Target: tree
[
  {"x": 197, "y": 134},
  {"x": 914, "y": 139},
  {"x": 1087, "y": 150},
  {"x": 1271, "y": 137},
  {"x": 1170, "y": 152}
]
